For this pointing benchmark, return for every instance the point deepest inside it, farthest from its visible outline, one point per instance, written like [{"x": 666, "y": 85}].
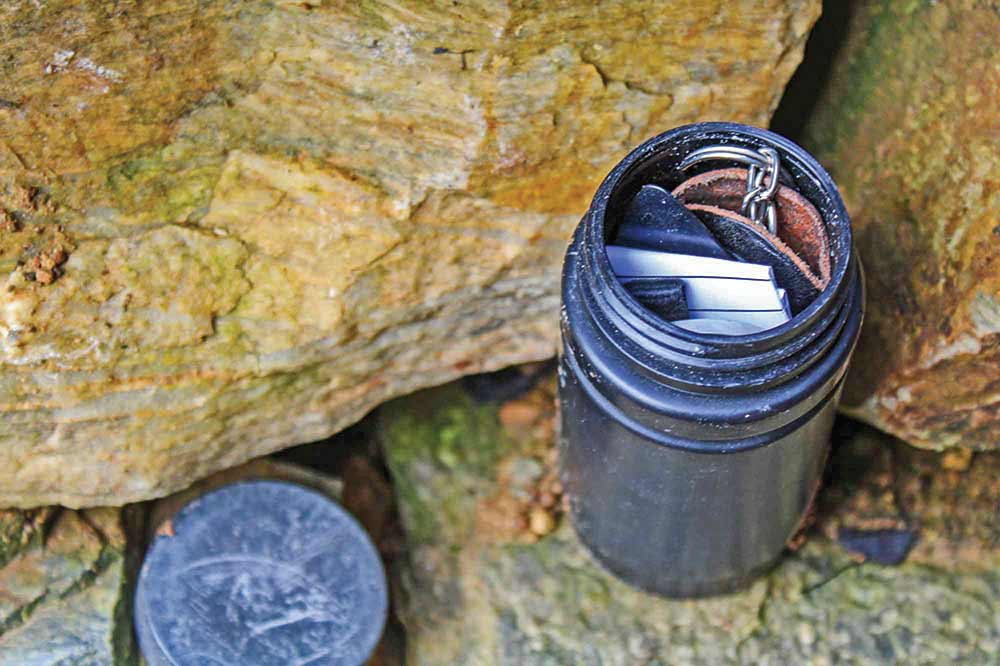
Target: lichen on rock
[
  {"x": 473, "y": 594},
  {"x": 908, "y": 127},
  {"x": 65, "y": 599},
  {"x": 282, "y": 214}
]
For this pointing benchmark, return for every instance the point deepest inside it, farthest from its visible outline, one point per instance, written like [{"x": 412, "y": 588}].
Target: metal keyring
[{"x": 758, "y": 203}]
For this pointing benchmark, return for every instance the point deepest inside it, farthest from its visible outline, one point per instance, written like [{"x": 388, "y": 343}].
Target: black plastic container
[{"x": 691, "y": 459}]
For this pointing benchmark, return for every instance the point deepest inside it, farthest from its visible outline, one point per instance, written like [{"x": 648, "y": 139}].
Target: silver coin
[{"x": 261, "y": 573}]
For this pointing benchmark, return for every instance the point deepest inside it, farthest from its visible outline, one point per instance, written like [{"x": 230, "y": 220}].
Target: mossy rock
[
  {"x": 476, "y": 594},
  {"x": 909, "y": 127},
  {"x": 228, "y": 228},
  {"x": 65, "y": 595}
]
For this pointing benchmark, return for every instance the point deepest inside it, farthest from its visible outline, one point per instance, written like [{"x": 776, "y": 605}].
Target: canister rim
[{"x": 660, "y": 155}]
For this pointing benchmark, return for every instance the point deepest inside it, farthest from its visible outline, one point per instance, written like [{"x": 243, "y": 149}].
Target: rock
[
  {"x": 882, "y": 546},
  {"x": 540, "y": 521},
  {"x": 20, "y": 529},
  {"x": 956, "y": 460},
  {"x": 909, "y": 126},
  {"x": 882, "y": 483},
  {"x": 258, "y": 220},
  {"x": 474, "y": 594},
  {"x": 517, "y": 413},
  {"x": 65, "y": 595}
]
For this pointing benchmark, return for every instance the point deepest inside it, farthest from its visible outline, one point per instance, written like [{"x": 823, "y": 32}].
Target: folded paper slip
[
  {"x": 709, "y": 283},
  {"x": 749, "y": 321},
  {"x": 714, "y": 326}
]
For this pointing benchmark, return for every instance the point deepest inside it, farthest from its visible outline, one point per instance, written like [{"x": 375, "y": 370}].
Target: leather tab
[
  {"x": 802, "y": 235},
  {"x": 753, "y": 243}
]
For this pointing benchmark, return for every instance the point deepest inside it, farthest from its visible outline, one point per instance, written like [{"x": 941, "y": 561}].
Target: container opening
[{"x": 688, "y": 252}]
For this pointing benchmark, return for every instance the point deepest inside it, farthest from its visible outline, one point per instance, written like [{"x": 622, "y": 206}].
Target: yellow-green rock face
[
  {"x": 910, "y": 129},
  {"x": 65, "y": 595},
  {"x": 482, "y": 588},
  {"x": 231, "y": 227}
]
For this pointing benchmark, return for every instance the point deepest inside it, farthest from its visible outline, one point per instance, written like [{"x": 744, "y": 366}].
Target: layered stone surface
[
  {"x": 231, "y": 227},
  {"x": 909, "y": 128},
  {"x": 65, "y": 589},
  {"x": 496, "y": 575}
]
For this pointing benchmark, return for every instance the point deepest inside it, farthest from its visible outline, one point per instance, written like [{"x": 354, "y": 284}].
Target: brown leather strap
[{"x": 801, "y": 236}]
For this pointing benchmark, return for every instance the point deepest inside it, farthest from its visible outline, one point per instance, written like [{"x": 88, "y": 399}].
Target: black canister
[{"x": 690, "y": 459}]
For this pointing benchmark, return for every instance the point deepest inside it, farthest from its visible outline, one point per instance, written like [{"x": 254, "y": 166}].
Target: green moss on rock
[
  {"x": 908, "y": 127},
  {"x": 445, "y": 450},
  {"x": 66, "y": 600},
  {"x": 471, "y": 598},
  {"x": 285, "y": 213}
]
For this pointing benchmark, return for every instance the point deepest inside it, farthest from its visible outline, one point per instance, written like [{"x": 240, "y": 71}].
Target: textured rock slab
[
  {"x": 65, "y": 595},
  {"x": 231, "y": 227},
  {"x": 483, "y": 590},
  {"x": 909, "y": 127}
]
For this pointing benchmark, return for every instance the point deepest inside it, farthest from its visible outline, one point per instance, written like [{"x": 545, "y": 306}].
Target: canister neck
[{"x": 691, "y": 359}]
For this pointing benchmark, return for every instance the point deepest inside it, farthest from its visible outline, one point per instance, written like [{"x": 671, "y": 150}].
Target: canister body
[
  {"x": 691, "y": 460},
  {"x": 679, "y": 522}
]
